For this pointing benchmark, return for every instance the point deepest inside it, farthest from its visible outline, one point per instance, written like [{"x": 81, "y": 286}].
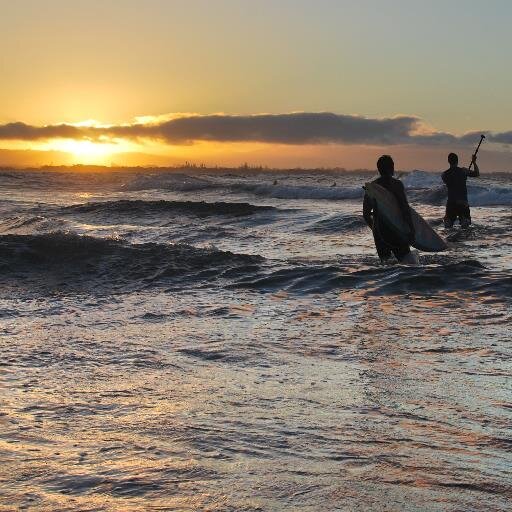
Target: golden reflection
[{"x": 242, "y": 309}]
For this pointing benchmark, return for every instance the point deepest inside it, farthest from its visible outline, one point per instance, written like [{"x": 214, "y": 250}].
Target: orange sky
[{"x": 396, "y": 81}]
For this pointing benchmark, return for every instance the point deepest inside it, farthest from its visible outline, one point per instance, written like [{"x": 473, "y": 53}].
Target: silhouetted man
[
  {"x": 455, "y": 179},
  {"x": 386, "y": 241}
]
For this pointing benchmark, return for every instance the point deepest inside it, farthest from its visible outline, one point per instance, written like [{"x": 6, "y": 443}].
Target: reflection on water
[{"x": 336, "y": 399}]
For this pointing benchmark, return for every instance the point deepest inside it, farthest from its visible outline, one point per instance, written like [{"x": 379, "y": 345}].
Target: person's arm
[
  {"x": 443, "y": 177},
  {"x": 475, "y": 172},
  {"x": 367, "y": 210}
]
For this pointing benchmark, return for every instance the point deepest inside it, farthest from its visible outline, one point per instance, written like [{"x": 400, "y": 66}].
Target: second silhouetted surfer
[{"x": 457, "y": 205}]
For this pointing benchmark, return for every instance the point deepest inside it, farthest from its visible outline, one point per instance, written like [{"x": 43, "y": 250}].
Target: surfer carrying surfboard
[
  {"x": 455, "y": 178},
  {"x": 387, "y": 240}
]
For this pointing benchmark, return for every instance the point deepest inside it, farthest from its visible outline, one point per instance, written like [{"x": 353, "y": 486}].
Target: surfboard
[{"x": 426, "y": 239}]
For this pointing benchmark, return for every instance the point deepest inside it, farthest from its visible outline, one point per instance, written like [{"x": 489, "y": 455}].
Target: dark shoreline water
[{"x": 217, "y": 342}]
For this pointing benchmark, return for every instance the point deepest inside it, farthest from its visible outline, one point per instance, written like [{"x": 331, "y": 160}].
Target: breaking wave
[
  {"x": 337, "y": 224},
  {"x": 68, "y": 262},
  {"x": 185, "y": 183},
  {"x": 489, "y": 196},
  {"x": 421, "y": 179},
  {"x": 478, "y": 195},
  {"x": 173, "y": 181},
  {"x": 299, "y": 191}
]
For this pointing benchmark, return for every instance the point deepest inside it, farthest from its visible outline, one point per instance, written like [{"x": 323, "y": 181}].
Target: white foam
[
  {"x": 422, "y": 179},
  {"x": 489, "y": 195},
  {"x": 177, "y": 182},
  {"x": 301, "y": 191}
]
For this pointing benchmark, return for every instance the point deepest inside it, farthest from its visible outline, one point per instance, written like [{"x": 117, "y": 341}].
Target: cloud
[
  {"x": 22, "y": 131},
  {"x": 291, "y": 128},
  {"x": 501, "y": 138},
  {"x": 295, "y": 128}
]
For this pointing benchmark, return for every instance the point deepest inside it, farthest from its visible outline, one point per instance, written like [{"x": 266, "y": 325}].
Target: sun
[
  {"x": 89, "y": 152},
  {"x": 84, "y": 148}
]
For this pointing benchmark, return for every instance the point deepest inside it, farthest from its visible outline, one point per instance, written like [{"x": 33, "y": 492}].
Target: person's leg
[
  {"x": 384, "y": 253},
  {"x": 465, "y": 216},
  {"x": 383, "y": 249},
  {"x": 403, "y": 253},
  {"x": 464, "y": 222},
  {"x": 450, "y": 215}
]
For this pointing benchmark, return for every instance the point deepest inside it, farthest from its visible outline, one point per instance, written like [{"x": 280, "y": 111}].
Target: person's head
[
  {"x": 386, "y": 166},
  {"x": 453, "y": 159}
]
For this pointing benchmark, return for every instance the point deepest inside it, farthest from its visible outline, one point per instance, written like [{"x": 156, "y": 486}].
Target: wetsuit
[
  {"x": 386, "y": 241},
  {"x": 457, "y": 205}
]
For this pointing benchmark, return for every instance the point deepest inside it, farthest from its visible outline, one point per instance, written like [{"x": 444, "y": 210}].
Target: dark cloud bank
[{"x": 294, "y": 128}]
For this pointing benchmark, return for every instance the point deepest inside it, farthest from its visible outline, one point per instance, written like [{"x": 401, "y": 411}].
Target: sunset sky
[{"x": 272, "y": 82}]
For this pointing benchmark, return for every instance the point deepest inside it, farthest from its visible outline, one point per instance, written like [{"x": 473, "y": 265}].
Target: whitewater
[{"x": 227, "y": 340}]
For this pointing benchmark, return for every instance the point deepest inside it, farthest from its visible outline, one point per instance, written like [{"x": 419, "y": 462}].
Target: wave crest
[
  {"x": 167, "y": 181},
  {"x": 199, "y": 208},
  {"x": 462, "y": 276},
  {"x": 67, "y": 261},
  {"x": 300, "y": 191},
  {"x": 337, "y": 224}
]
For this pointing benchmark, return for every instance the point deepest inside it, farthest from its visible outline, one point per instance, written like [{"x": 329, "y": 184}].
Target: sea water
[{"x": 227, "y": 340}]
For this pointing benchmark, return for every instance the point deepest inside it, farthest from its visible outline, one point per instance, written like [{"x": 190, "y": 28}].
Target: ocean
[{"x": 227, "y": 340}]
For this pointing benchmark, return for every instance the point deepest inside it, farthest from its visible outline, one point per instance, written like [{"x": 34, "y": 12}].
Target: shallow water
[{"x": 166, "y": 349}]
